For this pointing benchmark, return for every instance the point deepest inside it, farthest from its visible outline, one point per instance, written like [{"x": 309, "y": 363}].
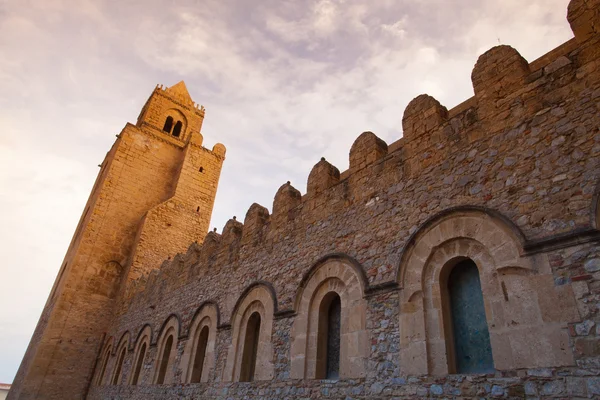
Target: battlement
[
  {"x": 514, "y": 100},
  {"x": 180, "y": 98},
  {"x": 503, "y": 188}
]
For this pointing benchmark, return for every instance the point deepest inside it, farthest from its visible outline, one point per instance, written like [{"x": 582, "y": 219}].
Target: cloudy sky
[{"x": 284, "y": 82}]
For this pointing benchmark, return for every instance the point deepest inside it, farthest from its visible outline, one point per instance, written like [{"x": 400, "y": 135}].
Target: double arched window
[{"x": 173, "y": 128}]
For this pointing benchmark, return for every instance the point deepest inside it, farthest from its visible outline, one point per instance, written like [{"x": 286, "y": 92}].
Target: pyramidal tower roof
[{"x": 179, "y": 90}]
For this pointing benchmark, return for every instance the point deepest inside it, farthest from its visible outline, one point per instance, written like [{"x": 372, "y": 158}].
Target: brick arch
[
  {"x": 491, "y": 228},
  {"x": 206, "y": 315},
  {"x": 505, "y": 273},
  {"x": 339, "y": 275},
  {"x": 171, "y": 326},
  {"x": 258, "y": 297}
]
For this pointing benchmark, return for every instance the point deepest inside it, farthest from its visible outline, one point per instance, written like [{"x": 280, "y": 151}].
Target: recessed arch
[
  {"x": 207, "y": 304},
  {"x": 121, "y": 353},
  {"x": 339, "y": 276},
  {"x": 140, "y": 352},
  {"x": 341, "y": 257},
  {"x": 511, "y": 284},
  {"x": 175, "y": 122},
  {"x": 486, "y": 225},
  {"x": 198, "y": 358},
  {"x": 258, "y": 284},
  {"x": 172, "y": 320},
  {"x": 166, "y": 347},
  {"x": 104, "y": 359},
  {"x": 257, "y": 298}
]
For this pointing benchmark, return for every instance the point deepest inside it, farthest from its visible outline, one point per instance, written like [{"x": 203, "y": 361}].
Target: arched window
[
  {"x": 250, "y": 348},
  {"x": 328, "y": 340},
  {"x": 202, "y": 342},
  {"x": 138, "y": 365},
  {"x": 164, "y": 360},
  {"x": 177, "y": 129},
  {"x": 472, "y": 347},
  {"x": 168, "y": 124},
  {"x": 103, "y": 366},
  {"x": 119, "y": 366}
]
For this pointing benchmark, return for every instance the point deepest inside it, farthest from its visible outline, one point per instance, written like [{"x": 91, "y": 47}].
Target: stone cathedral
[{"x": 462, "y": 260}]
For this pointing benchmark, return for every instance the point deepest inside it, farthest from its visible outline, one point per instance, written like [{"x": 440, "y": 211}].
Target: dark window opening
[
  {"x": 138, "y": 365},
  {"x": 472, "y": 347},
  {"x": 177, "y": 129},
  {"x": 250, "y": 348},
  {"x": 168, "y": 125},
  {"x": 164, "y": 362},
  {"x": 119, "y": 366},
  {"x": 328, "y": 337},
  {"x": 199, "y": 357},
  {"x": 201, "y": 169}
]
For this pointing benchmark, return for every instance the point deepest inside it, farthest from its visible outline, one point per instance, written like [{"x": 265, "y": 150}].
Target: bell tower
[{"x": 153, "y": 196}]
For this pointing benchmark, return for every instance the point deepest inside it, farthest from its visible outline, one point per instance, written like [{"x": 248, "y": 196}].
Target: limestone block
[
  {"x": 584, "y": 18},
  {"x": 321, "y": 177},
  {"x": 422, "y": 115},
  {"x": 366, "y": 149}
]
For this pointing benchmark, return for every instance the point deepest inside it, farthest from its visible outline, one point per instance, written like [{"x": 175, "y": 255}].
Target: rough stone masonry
[{"x": 369, "y": 268}]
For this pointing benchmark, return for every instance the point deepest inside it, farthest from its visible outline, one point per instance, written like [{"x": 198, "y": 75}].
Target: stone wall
[{"x": 509, "y": 179}]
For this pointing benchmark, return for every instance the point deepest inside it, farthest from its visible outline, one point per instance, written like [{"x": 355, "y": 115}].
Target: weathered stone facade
[{"x": 509, "y": 179}]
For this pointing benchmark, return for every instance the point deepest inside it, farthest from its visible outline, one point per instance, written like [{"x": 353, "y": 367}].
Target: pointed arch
[
  {"x": 487, "y": 225},
  {"x": 495, "y": 247},
  {"x": 168, "y": 124},
  {"x": 332, "y": 277},
  {"x": 140, "y": 351},
  {"x": 258, "y": 298},
  {"x": 166, "y": 346},
  {"x": 176, "y": 122},
  {"x": 105, "y": 357},
  {"x": 340, "y": 257},
  {"x": 121, "y": 353},
  {"x": 198, "y": 358}
]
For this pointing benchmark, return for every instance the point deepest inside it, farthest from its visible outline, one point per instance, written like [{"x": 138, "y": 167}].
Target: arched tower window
[
  {"x": 177, "y": 129},
  {"x": 119, "y": 366},
  {"x": 164, "y": 361},
  {"x": 138, "y": 365},
  {"x": 472, "y": 347},
  {"x": 103, "y": 368},
  {"x": 202, "y": 341},
  {"x": 168, "y": 124},
  {"x": 328, "y": 337},
  {"x": 250, "y": 348}
]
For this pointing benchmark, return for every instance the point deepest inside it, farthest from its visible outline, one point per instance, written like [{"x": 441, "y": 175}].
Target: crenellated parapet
[{"x": 506, "y": 88}]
